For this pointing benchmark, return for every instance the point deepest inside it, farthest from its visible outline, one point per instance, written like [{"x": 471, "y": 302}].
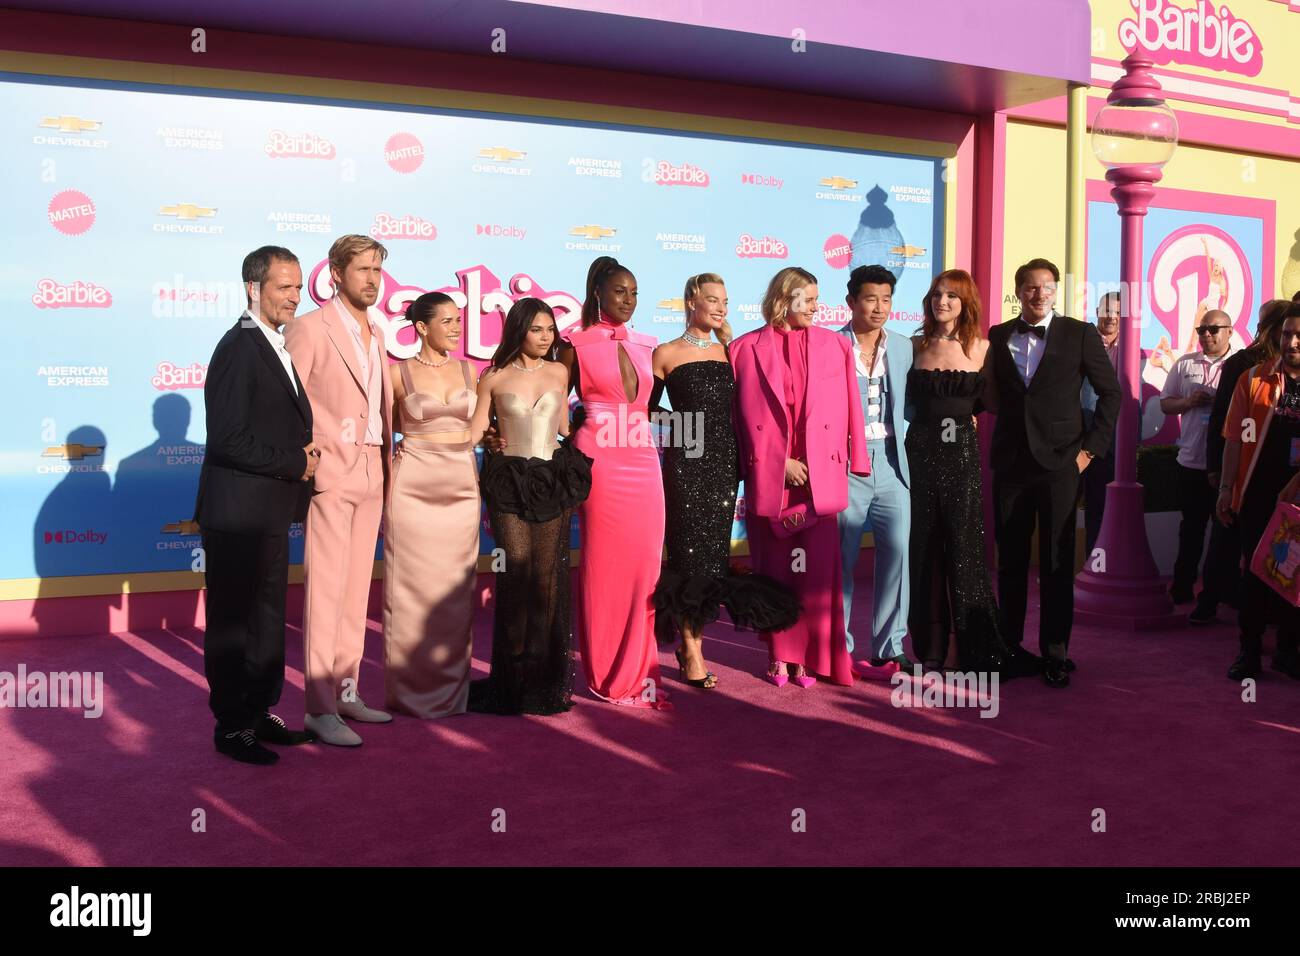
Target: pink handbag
[
  {"x": 791, "y": 521},
  {"x": 1276, "y": 560}
]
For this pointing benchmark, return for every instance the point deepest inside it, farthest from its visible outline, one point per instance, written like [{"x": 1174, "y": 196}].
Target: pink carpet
[{"x": 1151, "y": 732}]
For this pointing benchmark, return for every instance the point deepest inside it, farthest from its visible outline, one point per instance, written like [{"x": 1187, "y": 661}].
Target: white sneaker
[
  {"x": 357, "y": 710},
  {"x": 330, "y": 729}
]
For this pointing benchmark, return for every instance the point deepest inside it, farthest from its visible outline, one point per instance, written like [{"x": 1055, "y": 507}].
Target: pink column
[{"x": 1120, "y": 585}]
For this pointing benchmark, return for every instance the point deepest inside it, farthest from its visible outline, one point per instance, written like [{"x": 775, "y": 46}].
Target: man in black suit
[
  {"x": 254, "y": 484},
  {"x": 1040, "y": 448}
]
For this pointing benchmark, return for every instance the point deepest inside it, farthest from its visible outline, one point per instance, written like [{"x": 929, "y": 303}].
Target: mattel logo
[
  {"x": 76, "y": 295},
  {"x": 498, "y": 231},
  {"x": 666, "y": 174},
  {"x": 171, "y": 377},
  {"x": 758, "y": 179},
  {"x": 282, "y": 145},
  {"x": 402, "y": 227},
  {"x": 76, "y": 537},
  {"x": 71, "y": 212},
  {"x": 751, "y": 247}
]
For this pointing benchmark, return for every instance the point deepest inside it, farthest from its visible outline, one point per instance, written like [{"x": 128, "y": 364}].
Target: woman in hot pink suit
[
  {"x": 799, "y": 416},
  {"x": 622, "y": 520}
]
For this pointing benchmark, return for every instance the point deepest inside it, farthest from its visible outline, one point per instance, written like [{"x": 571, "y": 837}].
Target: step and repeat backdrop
[{"x": 129, "y": 212}]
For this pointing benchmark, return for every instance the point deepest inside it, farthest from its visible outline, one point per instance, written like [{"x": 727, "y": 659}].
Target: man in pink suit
[
  {"x": 341, "y": 358},
  {"x": 801, "y": 431}
]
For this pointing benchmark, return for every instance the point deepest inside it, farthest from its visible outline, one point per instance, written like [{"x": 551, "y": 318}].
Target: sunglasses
[{"x": 1211, "y": 329}]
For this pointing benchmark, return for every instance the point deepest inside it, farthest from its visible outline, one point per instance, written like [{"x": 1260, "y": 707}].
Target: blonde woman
[
  {"x": 700, "y": 475},
  {"x": 801, "y": 433}
]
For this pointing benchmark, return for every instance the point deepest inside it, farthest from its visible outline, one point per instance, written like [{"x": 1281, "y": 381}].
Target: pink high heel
[
  {"x": 803, "y": 678},
  {"x": 780, "y": 680}
]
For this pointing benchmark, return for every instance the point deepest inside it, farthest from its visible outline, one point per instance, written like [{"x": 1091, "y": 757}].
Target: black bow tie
[{"x": 1024, "y": 327}]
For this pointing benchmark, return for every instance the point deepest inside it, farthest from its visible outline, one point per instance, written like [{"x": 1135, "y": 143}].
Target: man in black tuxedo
[
  {"x": 1040, "y": 448},
  {"x": 255, "y": 483}
]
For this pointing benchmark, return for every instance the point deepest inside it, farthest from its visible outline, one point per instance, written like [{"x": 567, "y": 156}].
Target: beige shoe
[
  {"x": 330, "y": 729},
  {"x": 357, "y": 710}
]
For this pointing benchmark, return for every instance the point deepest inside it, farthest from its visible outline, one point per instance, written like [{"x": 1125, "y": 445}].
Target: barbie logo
[
  {"x": 75, "y": 295},
  {"x": 405, "y": 227},
  {"x": 750, "y": 247},
  {"x": 832, "y": 315},
  {"x": 1197, "y": 36},
  {"x": 666, "y": 174},
  {"x": 1196, "y": 269},
  {"x": 282, "y": 145},
  {"x": 478, "y": 293},
  {"x": 171, "y": 377}
]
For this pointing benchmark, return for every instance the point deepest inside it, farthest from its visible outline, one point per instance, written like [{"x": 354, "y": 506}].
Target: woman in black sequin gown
[
  {"x": 701, "y": 472},
  {"x": 950, "y": 585}
]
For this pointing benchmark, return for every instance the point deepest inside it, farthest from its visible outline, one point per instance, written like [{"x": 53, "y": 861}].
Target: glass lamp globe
[{"x": 1135, "y": 132}]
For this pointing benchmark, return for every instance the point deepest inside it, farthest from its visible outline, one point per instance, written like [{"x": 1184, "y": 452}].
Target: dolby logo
[
  {"x": 498, "y": 231},
  {"x": 70, "y": 536}
]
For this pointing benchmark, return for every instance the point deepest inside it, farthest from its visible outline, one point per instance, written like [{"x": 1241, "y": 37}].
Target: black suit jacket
[
  {"x": 1046, "y": 418},
  {"x": 251, "y": 482}
]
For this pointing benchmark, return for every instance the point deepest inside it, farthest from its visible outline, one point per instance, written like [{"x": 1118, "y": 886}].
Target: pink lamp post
[{"x": 1134, "y": 135}]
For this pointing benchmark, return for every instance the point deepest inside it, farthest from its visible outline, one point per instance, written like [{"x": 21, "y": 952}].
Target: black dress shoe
[
  {"x": 1055, "y": 672},
  {"x": 1205, "y": 612},
  {"x": 901, "y": 660},
  {"x": 271, "y": 729},
  {"x": 1246, "y": 665},
  {"x": 242, "y": 745}
]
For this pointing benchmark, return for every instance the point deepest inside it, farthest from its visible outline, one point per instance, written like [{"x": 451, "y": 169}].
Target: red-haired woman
[{"x": 946, "y": 385}]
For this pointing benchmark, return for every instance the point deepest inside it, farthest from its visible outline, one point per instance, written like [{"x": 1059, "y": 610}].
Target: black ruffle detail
[
  {"x": 534, "y": 488},
  {"x": 755, "y": 602}
]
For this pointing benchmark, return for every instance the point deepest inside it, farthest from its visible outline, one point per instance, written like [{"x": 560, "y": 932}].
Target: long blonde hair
[{"x": 780, "y": 293}]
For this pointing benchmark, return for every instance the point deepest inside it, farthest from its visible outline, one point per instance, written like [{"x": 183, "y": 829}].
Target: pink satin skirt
[{"x": 431, "y": 531}]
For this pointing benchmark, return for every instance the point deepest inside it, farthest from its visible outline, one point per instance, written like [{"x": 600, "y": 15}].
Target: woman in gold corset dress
[
  {"x": 431, "y": 521},
  {"x": 531, "y": 487}
]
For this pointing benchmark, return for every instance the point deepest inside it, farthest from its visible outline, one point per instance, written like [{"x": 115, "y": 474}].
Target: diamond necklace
[{"x": 692, "y": 340}]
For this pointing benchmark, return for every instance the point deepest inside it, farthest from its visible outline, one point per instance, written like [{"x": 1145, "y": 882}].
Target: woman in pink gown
[{"x": 622, "y": 520}]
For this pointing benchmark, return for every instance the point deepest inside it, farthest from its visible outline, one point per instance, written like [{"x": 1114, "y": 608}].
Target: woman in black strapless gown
[
  {"x": 950, "y": 585},
  {"x": 700, "y": 491}
]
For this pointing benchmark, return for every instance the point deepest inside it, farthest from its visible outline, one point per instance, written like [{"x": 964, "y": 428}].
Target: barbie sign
[
  {"x": 479, "y": 294},
  {"x": 1200, "y": 35},
  {"x": 1196, "y": 269}
]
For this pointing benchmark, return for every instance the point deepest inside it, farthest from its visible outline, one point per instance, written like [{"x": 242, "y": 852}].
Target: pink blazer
[
  {"x": 836, "y": 436},
  {"x": 326, "y": 361}
]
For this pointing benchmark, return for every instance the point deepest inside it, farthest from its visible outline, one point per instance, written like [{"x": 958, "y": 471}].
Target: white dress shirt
[
  {"x": 276, "y": 338},
  {"x": 1027, "y": 349},
  {"x": 1192, "y": 373},
  {"x": 880, "y": 428}
]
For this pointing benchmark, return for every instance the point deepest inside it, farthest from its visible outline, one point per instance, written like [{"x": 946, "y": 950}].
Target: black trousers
[
  {"x": 1095, "y": 479},
  {"x": 1022, "y": 497},
  {"x": 243, "y": 645},
  {"x": 1260, "y": 604},
  {"x": 1196, "y": 502}
]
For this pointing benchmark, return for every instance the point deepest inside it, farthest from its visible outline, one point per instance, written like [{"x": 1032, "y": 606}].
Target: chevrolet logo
[
  {"x": 838, "y": 182},
  {"x": 673, "y": 305},
  {"x": 187, "y": 210},
  {"x": 181, "y": 527},
  {"x": 593, "y": 232},
  {"x": 906, "y": 251},
  {"x": 501, "y": 154},
  {"x": 71, "y": 124},
  {"x": 73, "y": 452}
]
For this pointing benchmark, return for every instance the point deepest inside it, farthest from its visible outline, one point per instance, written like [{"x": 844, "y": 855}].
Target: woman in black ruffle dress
[
  {"x": 531, "y": 486},
  {"x": 701, "y": 472}
]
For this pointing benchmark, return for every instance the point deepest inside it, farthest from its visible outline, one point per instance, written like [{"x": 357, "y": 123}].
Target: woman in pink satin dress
[{"x": 622, "y": 520}]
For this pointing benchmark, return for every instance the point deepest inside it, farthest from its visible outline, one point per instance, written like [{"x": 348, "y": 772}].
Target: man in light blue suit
[{"x": 881, "y": 499}]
